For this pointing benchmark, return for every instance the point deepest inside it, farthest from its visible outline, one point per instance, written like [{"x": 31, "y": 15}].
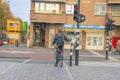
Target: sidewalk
[
  {"x": 22, "y": 51},
  {"x": 84, "y": 71},
  {"x": 24, "y": 47}
]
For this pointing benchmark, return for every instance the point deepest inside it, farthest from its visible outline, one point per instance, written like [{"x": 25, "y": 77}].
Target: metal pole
[
  {"x": 77, "y": 35},
  {"x": 70, "y": 57},
  {"x": 15, "y": 37},
  {"x": 71, "y": 52},
  {"x": 107, "y": 44},
  {"x": 15, "y": 41}
]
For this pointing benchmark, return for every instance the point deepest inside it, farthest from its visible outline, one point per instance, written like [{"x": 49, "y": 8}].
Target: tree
[{"x": 5, "y": 14}]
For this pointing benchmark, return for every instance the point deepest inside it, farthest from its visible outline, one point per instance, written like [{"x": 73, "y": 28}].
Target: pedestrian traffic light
[{"x": 76, "y": 13}]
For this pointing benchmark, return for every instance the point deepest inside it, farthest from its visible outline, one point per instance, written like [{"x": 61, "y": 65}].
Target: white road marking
[
  {"x": 110, "y": 57},
  {"x": 6, "y": 70},
  {"x": 25, "y": 52},
  {"x": 16, "y": 51},
  {"x": 68, "y": 71},
  {"x": 24, "y": 62}
]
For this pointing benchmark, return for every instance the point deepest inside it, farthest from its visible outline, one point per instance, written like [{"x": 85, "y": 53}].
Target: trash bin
[{"x": 16, "y": 43}]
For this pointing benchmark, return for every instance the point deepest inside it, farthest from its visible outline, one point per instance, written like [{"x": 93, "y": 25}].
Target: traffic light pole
[
  {"x": 77, "y": 35},
  {"x": 107, "y": 44}
]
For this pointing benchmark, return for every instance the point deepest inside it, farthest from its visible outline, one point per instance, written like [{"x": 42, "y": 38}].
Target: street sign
[{"x": 81, "y": 17}]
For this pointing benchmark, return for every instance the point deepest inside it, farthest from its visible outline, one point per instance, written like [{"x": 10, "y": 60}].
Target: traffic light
[
  {"x": 111, "y": 24},
  {"x": 107, "y": 27},
  {"x": 76, "y": 13}
]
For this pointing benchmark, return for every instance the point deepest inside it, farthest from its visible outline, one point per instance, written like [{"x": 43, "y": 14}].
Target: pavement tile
[
  {"x": 91, "y": 71},
  {"x": 36, "y": 72}
]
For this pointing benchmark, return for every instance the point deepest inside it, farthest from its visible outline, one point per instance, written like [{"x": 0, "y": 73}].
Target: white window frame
[
  {"x": 69, "y": 8},
  {"x": 113, "y": 12},
  {"x": 47, "y": 7},
  {"x": 97, "y": 6}
]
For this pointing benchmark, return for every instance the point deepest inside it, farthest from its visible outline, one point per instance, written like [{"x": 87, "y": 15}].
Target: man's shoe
[{"x": 55, "y": 65}]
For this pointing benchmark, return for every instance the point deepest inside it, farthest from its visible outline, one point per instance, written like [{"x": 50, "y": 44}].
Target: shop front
[{"x": 91, "y": 37}]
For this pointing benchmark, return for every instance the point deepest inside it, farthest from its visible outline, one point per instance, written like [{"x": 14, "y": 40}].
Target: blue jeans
[{"x": 58, "y": 55}]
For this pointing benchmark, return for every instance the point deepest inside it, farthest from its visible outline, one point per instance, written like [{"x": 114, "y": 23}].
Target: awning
[
  {"x": 93, "y": 30},
  {"x": 49, "y": 0},
  {"x": 70, "y": 29},
  {"x": 86, "y": 30},
  {"x": 46, "y": 21}
]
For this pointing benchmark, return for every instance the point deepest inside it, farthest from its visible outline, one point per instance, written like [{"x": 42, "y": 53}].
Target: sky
[{"x": 21, "y": 9}]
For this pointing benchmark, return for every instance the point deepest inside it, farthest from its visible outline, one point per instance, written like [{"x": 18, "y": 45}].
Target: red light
[{"x": 75, "y": 6}]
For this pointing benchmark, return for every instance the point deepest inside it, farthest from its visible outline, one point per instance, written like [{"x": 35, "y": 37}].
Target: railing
[
  {"x": 115, "y": 13},
  {"x": 49, "y": 0},
  {"x": 113, "y": 1},
  {"x": 49, "y": 11}
]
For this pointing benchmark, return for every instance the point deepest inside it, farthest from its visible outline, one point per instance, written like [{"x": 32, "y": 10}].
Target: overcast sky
[{"x": 21, "y": 8}]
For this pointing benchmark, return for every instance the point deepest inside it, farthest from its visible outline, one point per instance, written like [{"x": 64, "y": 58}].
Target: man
[{"x": 59, "y": 41}]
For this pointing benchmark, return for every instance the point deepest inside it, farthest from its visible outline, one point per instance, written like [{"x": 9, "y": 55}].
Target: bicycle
[{"x": 59, "y": 56}]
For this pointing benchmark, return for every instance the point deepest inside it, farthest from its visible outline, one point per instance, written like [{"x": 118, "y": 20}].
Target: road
[{"x": 38, "y": 64}]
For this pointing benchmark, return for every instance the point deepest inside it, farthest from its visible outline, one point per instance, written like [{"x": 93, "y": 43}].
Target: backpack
[{"x": 60, "y": 40}]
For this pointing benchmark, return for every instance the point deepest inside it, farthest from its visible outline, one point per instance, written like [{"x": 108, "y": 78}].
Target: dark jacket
[{"x": 56, "y": 36}]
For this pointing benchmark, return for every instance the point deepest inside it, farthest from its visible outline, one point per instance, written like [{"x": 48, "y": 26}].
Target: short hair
[{"x": 60, "y": 30}]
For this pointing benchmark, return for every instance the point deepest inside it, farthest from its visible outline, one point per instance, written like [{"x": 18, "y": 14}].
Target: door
[
  {"x": 51, "y": 35},
  {"x": 95, "y": 41}
]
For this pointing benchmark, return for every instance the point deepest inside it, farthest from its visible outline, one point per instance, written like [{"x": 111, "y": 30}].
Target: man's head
[{"x": 60, "y": 30}]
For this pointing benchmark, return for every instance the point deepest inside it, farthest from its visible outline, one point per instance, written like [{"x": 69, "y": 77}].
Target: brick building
[{"x": 47, "y": 16}]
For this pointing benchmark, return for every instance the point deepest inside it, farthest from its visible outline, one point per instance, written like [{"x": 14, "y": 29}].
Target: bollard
[
  {"x": 70, "y": 57},
  {"x": 76, "y": 57},
  {"x": 16, "y": 43},
  {"x": 28, "y": 43}
]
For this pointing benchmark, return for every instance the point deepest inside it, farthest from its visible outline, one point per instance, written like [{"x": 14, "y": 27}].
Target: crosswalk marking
[{"x": 14, "y": 51}]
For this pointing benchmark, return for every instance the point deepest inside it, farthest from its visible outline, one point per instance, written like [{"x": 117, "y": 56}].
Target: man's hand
[{"x": 55, "y": 46}]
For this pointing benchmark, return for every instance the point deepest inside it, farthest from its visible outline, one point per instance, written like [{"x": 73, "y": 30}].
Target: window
[
  {"x": 94, "y": 41},
  {"x": 116, "y": 10},
  {"x": 100, "y": 41},
  {"x": 89, "y": 41},
  {"x": 47, "y": 7},
  {"x": 100, "y": 9},
  {"x": 69, "y": 8},
  {"x": 13, "y": 24}
]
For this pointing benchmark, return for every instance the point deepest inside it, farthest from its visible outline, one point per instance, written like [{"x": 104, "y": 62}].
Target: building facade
[{"x": 47, "y": 16}]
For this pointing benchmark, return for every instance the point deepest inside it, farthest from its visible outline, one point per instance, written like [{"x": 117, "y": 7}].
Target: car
[{"x": 1, "y": 43}]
